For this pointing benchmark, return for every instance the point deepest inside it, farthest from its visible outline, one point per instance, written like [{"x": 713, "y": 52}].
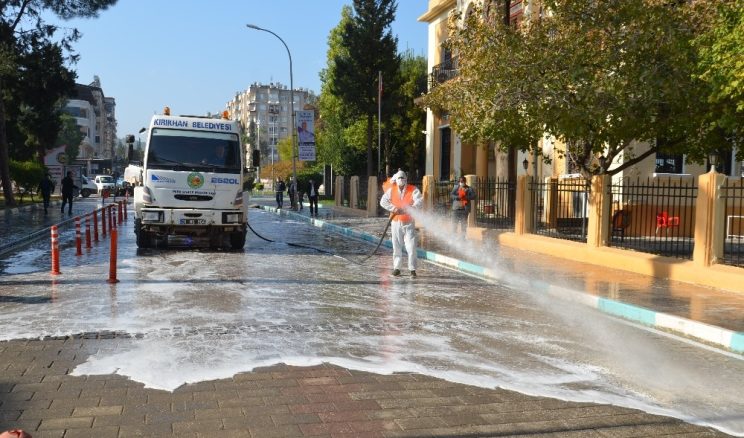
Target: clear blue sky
[{"x": 195, "y": 55}]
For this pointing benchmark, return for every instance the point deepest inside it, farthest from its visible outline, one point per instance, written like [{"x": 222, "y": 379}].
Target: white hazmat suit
[{"x": 400, "y": 198}]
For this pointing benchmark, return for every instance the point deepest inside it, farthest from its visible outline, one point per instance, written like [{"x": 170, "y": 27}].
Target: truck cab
[{"x": 191, "y": 184}]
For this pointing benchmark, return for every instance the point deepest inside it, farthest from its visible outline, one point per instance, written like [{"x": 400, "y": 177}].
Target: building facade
[
  {"x": 265, "y": 112},
  {"x": 95, "y": 115}
]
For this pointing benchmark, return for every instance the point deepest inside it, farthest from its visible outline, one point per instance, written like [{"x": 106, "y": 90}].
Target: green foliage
[
  {"x": 405, "y": 139},
  {"x": 366, "y": 47},
  {"x": 595, "y": 75},
  {"x": 70, "y": 136},
  {"x": 284, "y": 146},
  {"x": 27, "y": 175},
  {"x": 305, "y": 175},
  {"x": 34, "y": 77}
]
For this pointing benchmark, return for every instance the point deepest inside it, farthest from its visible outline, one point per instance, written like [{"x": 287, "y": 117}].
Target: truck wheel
[
  {"x": 237, "y": 240},
  {"x": 85, "y": 193},
  {"x": 144, "y": 240}
]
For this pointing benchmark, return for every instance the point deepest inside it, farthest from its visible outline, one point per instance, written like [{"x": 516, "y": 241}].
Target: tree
[
  {"x": 27, "y": 49},
  {"x": 405, "y": 139},
  {"x": 599, "y": 76},
  {"x": 70, "y": 136},
  {"x": 367, "y": 47}
]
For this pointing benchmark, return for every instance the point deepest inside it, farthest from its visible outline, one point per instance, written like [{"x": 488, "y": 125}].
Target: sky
[{"x": 194, "y": 56}]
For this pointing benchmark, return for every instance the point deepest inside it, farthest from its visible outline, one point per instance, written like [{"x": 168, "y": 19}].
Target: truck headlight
[{"x": 151, "y": 216}]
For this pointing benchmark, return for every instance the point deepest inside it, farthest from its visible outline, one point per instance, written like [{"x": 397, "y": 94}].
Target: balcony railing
[{"x": 443, "y": 72}]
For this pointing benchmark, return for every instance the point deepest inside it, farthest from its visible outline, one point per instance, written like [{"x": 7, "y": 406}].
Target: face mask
[
  {"x": 462, "y": 184},
  {"x": 401, "y": 182}
]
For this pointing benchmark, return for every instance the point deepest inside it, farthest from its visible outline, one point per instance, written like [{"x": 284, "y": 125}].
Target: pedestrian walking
[
  {"x": 68, "y": 188},
  {"x": 462, "y": 200},
  {"x": 280, "y": 188},
  {"x": 292, "y": 192},
  {"x": 46, "y": 187},
  {"x": 312, "y": 197},
  {"x": 399, "y": 200}
]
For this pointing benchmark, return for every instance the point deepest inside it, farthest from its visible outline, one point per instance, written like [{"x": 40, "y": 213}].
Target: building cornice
[{"x": 437, "y": 10}]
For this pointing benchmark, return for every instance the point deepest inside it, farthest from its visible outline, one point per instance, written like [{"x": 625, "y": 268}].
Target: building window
[{"x": 669, "y": 163}]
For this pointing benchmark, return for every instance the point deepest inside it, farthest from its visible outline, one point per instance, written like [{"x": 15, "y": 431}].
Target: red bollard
[
  {"x": 119, "y": 213},
  {"x": 125, "y": 207},
  {"x": 103, "y": 221},
  {"x": 87, "y": 231},
  {"x": 78, "y": 237},
  {"x": 55, "y": 251},
  {"x": 95, "y": 226},
  {"x": 112, "y": 259},
  {"x": 111, "y": 220}
]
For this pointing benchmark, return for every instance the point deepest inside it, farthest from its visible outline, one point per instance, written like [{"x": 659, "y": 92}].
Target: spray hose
[{"x": 298, "y": 245}]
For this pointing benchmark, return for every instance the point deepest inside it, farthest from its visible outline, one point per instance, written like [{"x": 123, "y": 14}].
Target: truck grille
[{"x": 193, "y": 197}]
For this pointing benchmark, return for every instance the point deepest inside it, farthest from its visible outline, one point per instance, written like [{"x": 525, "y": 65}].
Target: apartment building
[
  {"x": 95, "y": 115},
  {"x": 264, "y": 110}
]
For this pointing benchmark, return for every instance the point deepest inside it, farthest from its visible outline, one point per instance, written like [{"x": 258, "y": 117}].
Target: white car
[
  {"x": 87, "y": 187},
  {"x": 105, "y": 182}
]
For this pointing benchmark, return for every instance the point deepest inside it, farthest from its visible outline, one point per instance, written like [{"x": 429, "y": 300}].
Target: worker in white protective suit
[{"x": 399, "y": 199}]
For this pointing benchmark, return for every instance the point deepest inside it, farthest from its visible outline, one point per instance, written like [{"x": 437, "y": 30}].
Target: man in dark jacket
[
  {"x": 46, "y": 187},
  {"x": 462, "y": 200},
  {"x": 68, "y": 188},
  {"x": 280, "y": 188},
  {"x": 312, "y": 196}
]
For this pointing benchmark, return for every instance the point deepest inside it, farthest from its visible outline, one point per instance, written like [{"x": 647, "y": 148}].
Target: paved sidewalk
[{"x": 38, "y": 395}]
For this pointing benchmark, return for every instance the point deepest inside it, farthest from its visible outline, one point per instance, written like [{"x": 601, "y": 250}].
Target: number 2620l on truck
[{"x": 191, "y": 184}]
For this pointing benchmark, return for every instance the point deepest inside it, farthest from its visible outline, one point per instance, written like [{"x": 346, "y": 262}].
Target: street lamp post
[{"x": 291, "y": 98}]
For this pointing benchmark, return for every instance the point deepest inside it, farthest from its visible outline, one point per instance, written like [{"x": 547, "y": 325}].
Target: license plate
[{"x": 193, "y": 221}]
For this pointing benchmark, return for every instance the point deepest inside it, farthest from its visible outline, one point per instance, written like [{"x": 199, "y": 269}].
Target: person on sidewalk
[
  {"x": 292, "y": 192},
  {"x": 68, "y": 188},
  {"x": 312, "y": 196},
  {"x": 399, "y": 200},
  {"x": 462, "y": 200},
  {"x": 280, "y": 188},
  {"x": 46, "y": 187}
]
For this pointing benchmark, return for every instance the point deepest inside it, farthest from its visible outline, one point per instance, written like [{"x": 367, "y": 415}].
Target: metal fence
[
  {"x": 492, "y": 203},
  {"x": 732, "y": 192},
  {"x": 560, "y": 208},
  {"x": 442, "y": 199},
  {"x": 656, "y": 216}
]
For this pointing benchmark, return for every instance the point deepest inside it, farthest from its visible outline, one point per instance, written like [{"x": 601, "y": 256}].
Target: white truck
[{"x": 191, "y": 183}]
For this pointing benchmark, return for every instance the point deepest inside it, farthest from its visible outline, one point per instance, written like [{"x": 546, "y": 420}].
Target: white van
[
  {"x": 87, "y": 187},
  {"x": 105, "y": 182}
]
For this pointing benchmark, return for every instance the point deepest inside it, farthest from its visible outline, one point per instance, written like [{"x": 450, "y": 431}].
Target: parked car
[
  {"x": 87, "y": 186},
  {"x": 105, "y": 183}
]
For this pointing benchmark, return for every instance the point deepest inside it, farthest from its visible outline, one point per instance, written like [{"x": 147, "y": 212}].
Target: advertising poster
[{"x": 306, "y": 135}]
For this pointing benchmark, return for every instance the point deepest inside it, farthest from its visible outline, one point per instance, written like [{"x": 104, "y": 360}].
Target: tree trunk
[
  {"x": 370, "y": 159},
  {"x": 4, "y": 158}
]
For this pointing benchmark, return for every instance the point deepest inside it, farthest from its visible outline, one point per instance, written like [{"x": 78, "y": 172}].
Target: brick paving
[{"x": 38, "y": 394}]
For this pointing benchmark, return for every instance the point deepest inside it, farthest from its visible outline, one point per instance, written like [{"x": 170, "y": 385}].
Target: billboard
[{"x": 306, "y": 135}]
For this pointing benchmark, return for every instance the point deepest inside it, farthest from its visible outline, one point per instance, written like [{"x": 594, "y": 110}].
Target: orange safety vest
[
  {"x": 462, "y": 194},
  {"x": 401, "y": 203}
]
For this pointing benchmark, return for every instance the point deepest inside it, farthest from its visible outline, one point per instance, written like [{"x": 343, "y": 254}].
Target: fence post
[
  {"x": 598, "y": 231},
  {"x": 339, "y": 197},
  {"x": 710, "y": 216},
  {"x": 523, "y": 215},
  {"x": 87, "y": 231},
  {"x": 551, "y": 203},
  {"x": 95, "y": 226},
  {"x": 112, "y": 257},
  {"x": 472, "y": 182},
  {"x": 103, "y": 221},
  {"x": 372, "y": 199},
  {"x": 354, "y": 192},
  {"x": 429, "y": 190}
]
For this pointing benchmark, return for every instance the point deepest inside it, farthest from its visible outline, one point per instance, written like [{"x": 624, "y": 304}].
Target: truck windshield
[{"x": 179, "y": 149}]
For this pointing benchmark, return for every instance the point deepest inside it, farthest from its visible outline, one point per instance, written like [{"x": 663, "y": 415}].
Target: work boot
[
  {"x": 413, "y": 274},
  {"x": 396, "y": 272}
]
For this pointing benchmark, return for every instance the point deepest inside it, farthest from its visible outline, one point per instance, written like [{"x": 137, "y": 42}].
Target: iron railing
[
  {"x": 363, "y": 191},
  {"x": 492, "y": 209},
  {"x": 656, "y": 216},
  {"x": 560, "y": 208},
  {"x": 732, "y": 193},
  {"x": 443, "y": 72},
  {"x": 442, "y": 199}
]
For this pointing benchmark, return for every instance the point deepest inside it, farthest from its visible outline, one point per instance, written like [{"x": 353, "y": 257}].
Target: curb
[{"x": 729, "y": 339}]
